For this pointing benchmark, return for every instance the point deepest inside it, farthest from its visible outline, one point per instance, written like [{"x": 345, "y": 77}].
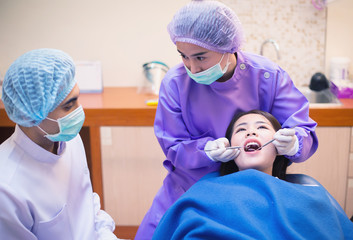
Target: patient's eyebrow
[
  {"x": 257, "y": 122},
  {"x": 241, "y": 124},
  {"x": 262, "y": 122}
]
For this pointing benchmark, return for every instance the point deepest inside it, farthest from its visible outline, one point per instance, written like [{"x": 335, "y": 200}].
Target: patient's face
[{"x": 251, "y": 132}]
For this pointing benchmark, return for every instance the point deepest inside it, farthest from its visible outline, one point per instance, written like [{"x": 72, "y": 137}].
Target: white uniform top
[{"x": 48, "y": 196}]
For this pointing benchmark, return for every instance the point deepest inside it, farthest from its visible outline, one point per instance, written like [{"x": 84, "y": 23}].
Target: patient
[
  {"x": 248, "y": 198},
  {"x": 250, "y": 130}
]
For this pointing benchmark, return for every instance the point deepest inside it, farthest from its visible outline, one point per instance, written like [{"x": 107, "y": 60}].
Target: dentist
[
  {"x": 199, "y": 96},
  {"x": 45, "y": 187}
]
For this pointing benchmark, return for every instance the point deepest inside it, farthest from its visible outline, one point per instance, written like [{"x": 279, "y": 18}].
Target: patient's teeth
[{"x": 251, "y": 146}]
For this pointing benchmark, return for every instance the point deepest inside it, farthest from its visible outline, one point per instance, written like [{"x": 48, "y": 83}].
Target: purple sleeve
[
  {"x": 181, "y": 149},
  {"x": 291, "y": 108}
]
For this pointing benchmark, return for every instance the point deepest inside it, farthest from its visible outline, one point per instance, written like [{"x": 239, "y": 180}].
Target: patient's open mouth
[{"x": 251, "y": 146}]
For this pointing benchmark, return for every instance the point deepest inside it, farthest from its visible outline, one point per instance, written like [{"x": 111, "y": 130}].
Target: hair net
[
  {"x": 36, "y": 83},
  {"x": 208, "y": 24}
]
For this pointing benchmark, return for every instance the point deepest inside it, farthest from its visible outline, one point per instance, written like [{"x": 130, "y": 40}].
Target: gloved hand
[
  {"x": 220, "y": 153},
  {"x": 286, "y": 142}
]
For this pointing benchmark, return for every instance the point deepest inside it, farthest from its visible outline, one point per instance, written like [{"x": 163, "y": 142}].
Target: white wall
[
  {"x": 339, "y": 35},
  {"x": 121, "y": 34}
]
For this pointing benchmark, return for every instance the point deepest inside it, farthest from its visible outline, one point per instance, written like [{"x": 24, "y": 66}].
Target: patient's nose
[{"x": 251, "y": 134}]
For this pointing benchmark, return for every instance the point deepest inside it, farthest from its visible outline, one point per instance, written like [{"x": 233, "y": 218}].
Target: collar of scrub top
[
  {"x": 240, "y": 69},
  {"x": 34, "y": 150}
]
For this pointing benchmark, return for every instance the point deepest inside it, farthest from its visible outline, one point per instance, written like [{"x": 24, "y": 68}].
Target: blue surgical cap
[
  {"x": 208, "y": 24},
  {"x": 36, "y": 83}
]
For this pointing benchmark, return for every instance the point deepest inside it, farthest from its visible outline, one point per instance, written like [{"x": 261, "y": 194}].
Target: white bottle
[{"x": 339, "y": 68}]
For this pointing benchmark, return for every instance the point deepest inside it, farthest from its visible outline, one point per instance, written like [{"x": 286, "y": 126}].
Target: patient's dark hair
[{"x": 279, "y": 165}]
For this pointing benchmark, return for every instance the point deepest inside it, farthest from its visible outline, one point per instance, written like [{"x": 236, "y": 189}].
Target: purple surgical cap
[
  {"x": 208, "y": 24},
  {"x": 36, "y": 83}
]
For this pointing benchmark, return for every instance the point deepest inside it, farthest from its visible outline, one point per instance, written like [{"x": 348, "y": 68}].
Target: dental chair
[
  {"x": 302, "y": 179},
  {"x": 306, "y": 180}
]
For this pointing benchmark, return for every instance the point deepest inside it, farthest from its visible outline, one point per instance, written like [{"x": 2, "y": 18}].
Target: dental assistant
[
  {"x": 199, "y": 96},
  {"x": 45, "y": 187}
]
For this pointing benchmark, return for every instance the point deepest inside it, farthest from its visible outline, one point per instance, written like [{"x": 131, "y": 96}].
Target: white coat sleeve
[
  {"x": 15, "y": 217},
  {"x": 104, "y": 223}
]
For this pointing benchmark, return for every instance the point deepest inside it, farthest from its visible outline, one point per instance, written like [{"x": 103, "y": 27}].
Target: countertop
[{"x": 333, "y": 115}]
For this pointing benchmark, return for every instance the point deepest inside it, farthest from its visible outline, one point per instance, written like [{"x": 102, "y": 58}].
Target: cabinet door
[
  {"x": 329, "y": 165},
  {"x": 133, "y": 172},
  {"x": 349, "y": 198}
]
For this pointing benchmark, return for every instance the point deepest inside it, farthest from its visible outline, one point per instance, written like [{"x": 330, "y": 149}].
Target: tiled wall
[{"x": 297, "y": 27}]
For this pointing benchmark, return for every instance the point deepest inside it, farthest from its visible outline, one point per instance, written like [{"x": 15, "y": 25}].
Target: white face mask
[
  {"x": 69, "y": 126},
  {"x": 210, "y": 75}
]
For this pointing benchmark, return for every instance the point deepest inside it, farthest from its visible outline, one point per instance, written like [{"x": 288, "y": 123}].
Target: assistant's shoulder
[
  {"x": 175, "y": 73},
  {"x": 175, "y": 80},
  {"x": 257, "y": 61}
]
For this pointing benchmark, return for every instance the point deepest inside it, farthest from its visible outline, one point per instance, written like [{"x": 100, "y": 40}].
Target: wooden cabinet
[
  {"x": 330, "y": 162},
  {"x": 132, "y": 163},
  {"x": 349, "y": 197}
]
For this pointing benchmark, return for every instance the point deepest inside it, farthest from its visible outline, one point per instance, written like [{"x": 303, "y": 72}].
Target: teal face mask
[
  {"x": 210, "y": 75},
  {"x": 69, "y": 126}
]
